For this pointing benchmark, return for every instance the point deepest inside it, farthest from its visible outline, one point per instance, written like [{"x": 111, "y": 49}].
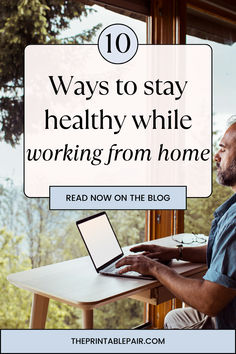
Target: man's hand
[
  {"x": 137, "y": 263},
  {"x": 154, "y": 251}
]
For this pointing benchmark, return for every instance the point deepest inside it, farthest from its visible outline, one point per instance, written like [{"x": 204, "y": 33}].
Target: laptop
[{"x": 103, "y": 246}]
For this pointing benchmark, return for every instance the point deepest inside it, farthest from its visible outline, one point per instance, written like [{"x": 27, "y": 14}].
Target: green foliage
[
  {"x": 24, "y": 22},
  {"x": 63, "y": 316},
  {"x": 129, "y": 226},
  {"x": 199, "y": 213},
  {"x": 41, "y": 229},
  {"x": 14, "y": 303},
  {"x": 122, "y": 314},
  {"x": 71, "y": 245}
]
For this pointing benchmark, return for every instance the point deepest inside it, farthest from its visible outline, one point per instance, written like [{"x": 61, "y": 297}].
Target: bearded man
[{"x": 211, "y": 300}]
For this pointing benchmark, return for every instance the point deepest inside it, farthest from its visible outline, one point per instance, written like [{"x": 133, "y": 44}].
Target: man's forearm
[
  {"x": 185, "y": 289},
  {"x": 205, "y": 296}
]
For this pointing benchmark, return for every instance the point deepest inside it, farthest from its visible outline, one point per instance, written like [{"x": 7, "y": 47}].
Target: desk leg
[
  {"x": 39, "y": 311},
  {"x": 87, "y": 319}
]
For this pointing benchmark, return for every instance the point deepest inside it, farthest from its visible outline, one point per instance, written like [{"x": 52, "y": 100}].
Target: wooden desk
[{"x": 76, "y": 283}]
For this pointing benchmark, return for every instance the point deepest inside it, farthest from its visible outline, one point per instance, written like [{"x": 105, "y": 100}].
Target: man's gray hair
[{"x": 230, "y": 121}]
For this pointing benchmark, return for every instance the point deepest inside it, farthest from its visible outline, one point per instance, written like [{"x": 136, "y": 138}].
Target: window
[{"x": 128, "y": 225}]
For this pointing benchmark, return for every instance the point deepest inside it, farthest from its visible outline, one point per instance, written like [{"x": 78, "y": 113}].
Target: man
[{"x": 212, "y": 300}]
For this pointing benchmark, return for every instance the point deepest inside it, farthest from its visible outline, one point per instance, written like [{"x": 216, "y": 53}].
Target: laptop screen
[{"x": 99, "y": 238}]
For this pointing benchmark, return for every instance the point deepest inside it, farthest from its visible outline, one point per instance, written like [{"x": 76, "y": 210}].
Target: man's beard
[{"x": 228, "y": 176}]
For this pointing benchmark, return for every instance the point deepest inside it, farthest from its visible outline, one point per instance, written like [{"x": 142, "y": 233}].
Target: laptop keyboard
[{"x": 112, "y": 269}]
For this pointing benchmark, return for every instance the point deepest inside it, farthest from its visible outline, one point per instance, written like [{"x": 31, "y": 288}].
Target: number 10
[{"x": 117, "y": 43}]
